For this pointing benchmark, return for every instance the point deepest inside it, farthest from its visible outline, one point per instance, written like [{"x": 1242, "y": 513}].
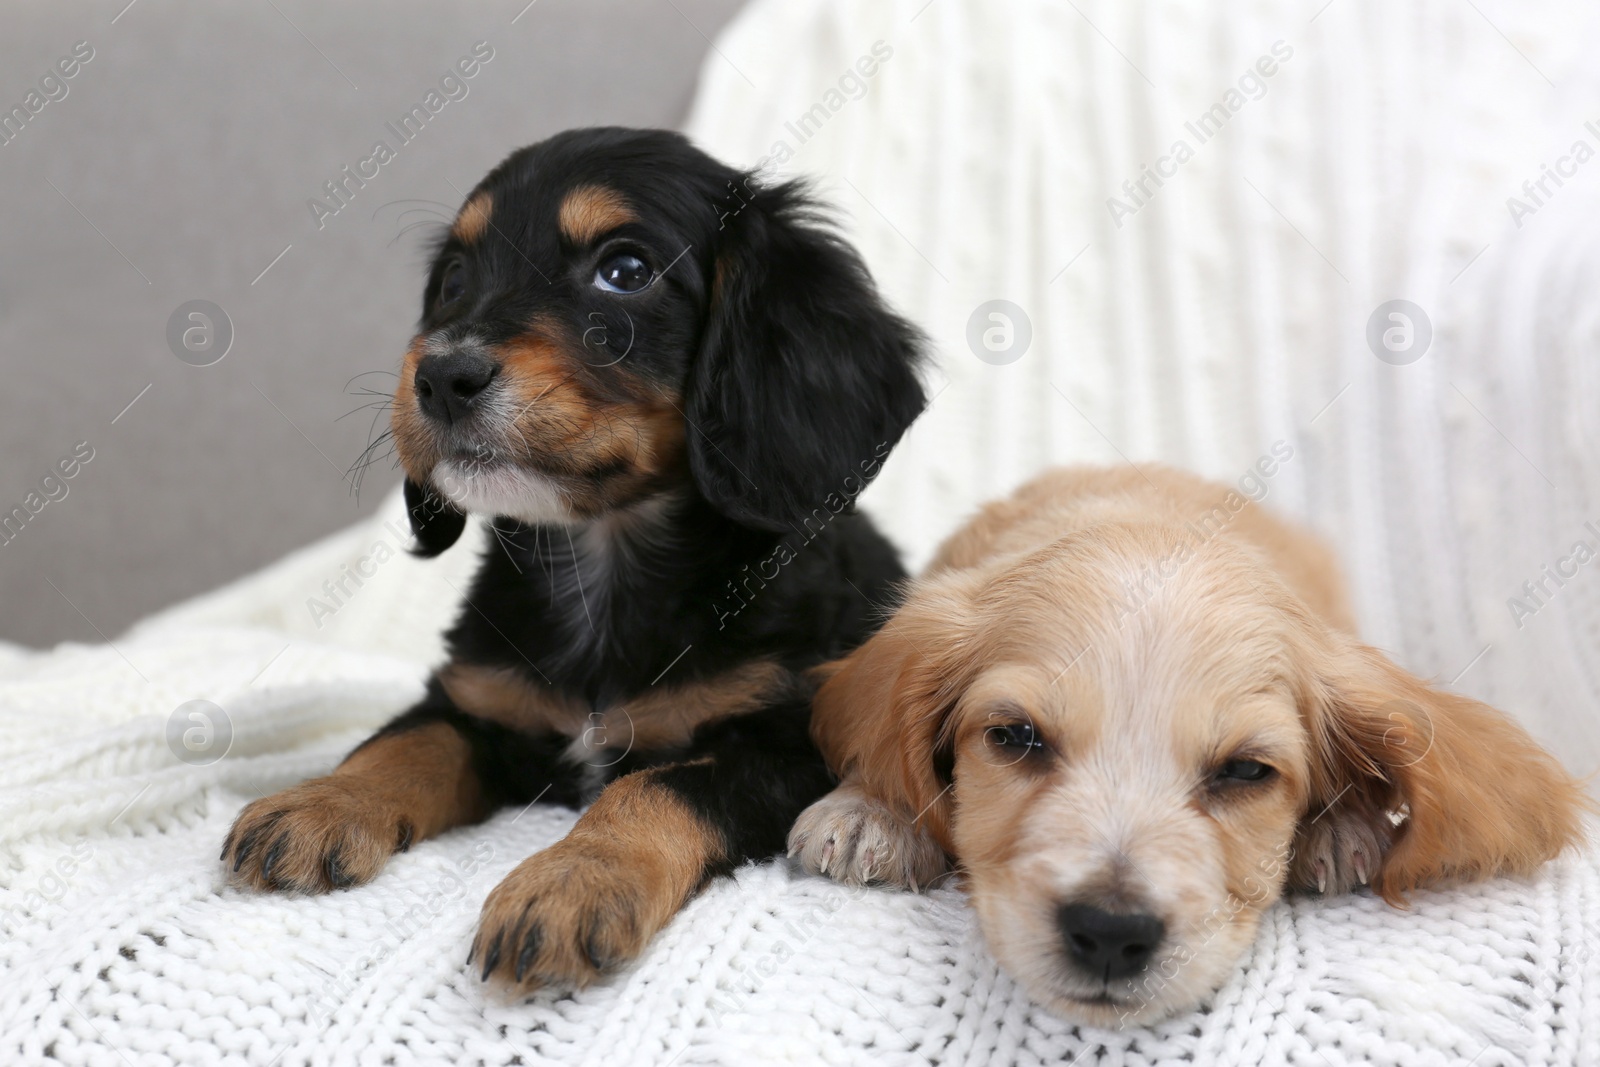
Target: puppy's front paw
[
  {"x": 319, "y": 835},
  {"x": 857, "y": 840},
  {"x": 568, "y": 914},
  {"x": 1338, "y": 851}
]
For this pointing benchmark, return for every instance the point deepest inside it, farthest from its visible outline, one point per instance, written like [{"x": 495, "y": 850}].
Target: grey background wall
[{"x": 176, "y": 164}]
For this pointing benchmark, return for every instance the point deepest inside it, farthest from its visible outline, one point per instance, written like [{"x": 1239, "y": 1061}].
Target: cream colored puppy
[{"x": 1129, "y": 705}]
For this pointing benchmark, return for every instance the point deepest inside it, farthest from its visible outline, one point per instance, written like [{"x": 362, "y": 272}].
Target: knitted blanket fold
[{"x": 1200, "y": 320}]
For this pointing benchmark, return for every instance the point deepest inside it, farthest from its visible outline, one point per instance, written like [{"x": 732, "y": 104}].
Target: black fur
[
  {"x": 435, "y": 523},
  {"x": 801, "y": 372}
]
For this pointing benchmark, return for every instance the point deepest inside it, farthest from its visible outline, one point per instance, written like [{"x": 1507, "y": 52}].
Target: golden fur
[
  {"x": 340, "y": 830},
  {"x": 1149, "y": 627},
  {"x": 474, "y": 217},
  {"x": 663, "y": 716},
  {"x": 595, "y": 897},
  {"x": 591, "y": 211}
]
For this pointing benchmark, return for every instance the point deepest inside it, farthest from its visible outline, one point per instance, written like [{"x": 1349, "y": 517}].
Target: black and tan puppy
[{"x": 666, "y": 383}]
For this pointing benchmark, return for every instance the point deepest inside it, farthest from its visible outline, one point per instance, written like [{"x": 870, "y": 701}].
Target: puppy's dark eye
[
  {"x": 623, "y": 273},
  {"x": 453, "y": 284},
  {"x": 1242, "y": 770},
  {"x": 1019, "y": 736}
]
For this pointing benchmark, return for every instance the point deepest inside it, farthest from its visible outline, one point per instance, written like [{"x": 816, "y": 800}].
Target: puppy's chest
[
  {"x": 571, "y": 587},
  {"x": 608, "y": 642},
  {"x": 592, "y": 609},
  {"x": 658, "y": 717}
]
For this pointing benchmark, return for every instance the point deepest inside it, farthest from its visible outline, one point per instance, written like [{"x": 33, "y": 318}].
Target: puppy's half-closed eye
[
  {"x": 1002, "y": 734},
  {"x": 1241, "y": 769},
  {"x": 1413, "y": 785},
  {"x": 1011, "y": 734}
]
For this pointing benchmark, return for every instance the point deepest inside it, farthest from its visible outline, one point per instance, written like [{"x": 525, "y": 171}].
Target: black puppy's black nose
[
  {"x": 1108, "y": 945},
  {"x": 447, "y": 384}
]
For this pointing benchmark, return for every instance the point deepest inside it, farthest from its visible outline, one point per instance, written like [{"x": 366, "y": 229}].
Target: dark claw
[
  {"x": 472, "y": 950},
  {"x": 338, "y": 877},
  {"x": 405, "y": 838},
  {"x": 530, "y": 949},
  {"x": 597, "y": 959},
  {"x": 248, "y": 843},
  {"x": 274, "y": 854},
  {"x": 492, "y": 958}
]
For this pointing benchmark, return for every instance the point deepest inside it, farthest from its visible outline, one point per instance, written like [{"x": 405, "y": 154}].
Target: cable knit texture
[{"x": 1225, "y": 314}]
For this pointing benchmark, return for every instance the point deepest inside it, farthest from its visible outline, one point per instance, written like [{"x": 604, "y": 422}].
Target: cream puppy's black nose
[{"x": 1108, "y": 945}]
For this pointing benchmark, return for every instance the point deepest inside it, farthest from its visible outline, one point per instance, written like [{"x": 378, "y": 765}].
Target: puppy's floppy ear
[
  {"x": 435, "y": 522},
  {"x": 1477, "y": 795},
  {"x": 879, "y": 716},
  {"x": 804, "y": 379}
]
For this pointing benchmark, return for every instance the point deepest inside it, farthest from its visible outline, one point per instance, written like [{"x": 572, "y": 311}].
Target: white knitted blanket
[
  {"x": 1227, "y": 313},
  {"x": 119, "y": 943}
]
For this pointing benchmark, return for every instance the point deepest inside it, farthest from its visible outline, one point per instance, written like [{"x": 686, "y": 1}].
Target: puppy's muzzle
[
  {"x": 448, "y": 386},
  {"x": 1105, "y": 945}
]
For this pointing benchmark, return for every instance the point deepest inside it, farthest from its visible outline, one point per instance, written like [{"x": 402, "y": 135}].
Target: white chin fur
[{"x": 508, "y": 491}]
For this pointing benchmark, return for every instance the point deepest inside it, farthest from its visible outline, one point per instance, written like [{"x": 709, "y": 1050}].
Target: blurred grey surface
[{"x": 177, "y": 164}]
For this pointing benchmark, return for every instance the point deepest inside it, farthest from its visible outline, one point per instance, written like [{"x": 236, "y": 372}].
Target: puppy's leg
[
  {"x": 431, "y": 769},
  {"x": 855, "y": 839},
  {"x": 651, "y": 840}
]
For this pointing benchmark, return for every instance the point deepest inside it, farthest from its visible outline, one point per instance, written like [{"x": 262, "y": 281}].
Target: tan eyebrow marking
[
  {"x": 591, "y": 210},
  {"x": 474, "y": 217}
]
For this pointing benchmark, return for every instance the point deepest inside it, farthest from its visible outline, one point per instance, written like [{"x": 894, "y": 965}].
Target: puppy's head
[
  {"x": 615, "y": 314},
  {"x": 1128, "y": 780}
]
